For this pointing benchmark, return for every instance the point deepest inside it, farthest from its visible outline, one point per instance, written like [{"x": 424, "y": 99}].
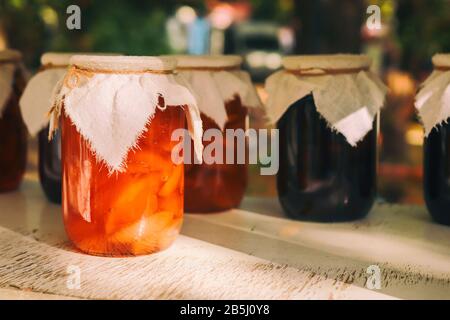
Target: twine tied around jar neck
[
  {"x": 325, "y": 71},
  {"x": 442, "y": 68},
  {"x": 211, "y": 69},
  {"x": 13, "y": 61},
  {"x": 74, "y": 74},
  {"x": 50, "y": 66}
]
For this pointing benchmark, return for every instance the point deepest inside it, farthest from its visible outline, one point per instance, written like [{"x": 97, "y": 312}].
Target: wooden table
[{"x": 238, "y": 254}]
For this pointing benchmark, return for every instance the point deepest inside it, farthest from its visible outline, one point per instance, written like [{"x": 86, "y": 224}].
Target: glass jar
[
  {"x": 437, "y": 173},
  {"x": 139, "y": 208},
  {"x": 35, "y": 105},
  {"x": 322, "y": 177},
  {"x": 327, "y": 137},
  {"x": 50, "y": 165},
  {"x": 13, "y": 135},
  {"x": 222, "y": 90},
  {"x": 218, "y": 186},
  {"x": 431, "y": 102}
]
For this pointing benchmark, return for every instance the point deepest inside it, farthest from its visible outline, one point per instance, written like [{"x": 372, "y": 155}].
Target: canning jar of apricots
[
  {"x": 13, "y": 134},
  {"x": 224, "y": 94},
  {"x": 122, "y": 191}
]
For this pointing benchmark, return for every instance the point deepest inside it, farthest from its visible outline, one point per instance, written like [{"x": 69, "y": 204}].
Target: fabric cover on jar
[
  {"x": 346, "y": 93},
  {"x": 35, "y": 102},
  {"x": 214, "y": 80},
  {"x": 433, "y": 100},
  {"x": 120, "y": 97}
]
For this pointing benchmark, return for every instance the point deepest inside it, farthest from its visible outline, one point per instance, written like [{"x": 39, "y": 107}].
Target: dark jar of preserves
[
  {"x": 224, "y": 93},
  {"x": 13, "y": 135},
  {"x": 432, "y": 107},
  {"x": 322, "y": 177},
  {"x": 328, "y": 137},
  {"x": 50, "y": 165},
  {"x": 35, "y": 106},
  {"x": 437, "y": 173}
]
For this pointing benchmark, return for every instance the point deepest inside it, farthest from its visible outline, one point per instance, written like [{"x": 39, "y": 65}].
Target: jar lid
[
  {"x": 10, "y": 55},
  {"x": 322, "y": 63},
  {"x": 123, "y": 63},
  {"x": 441, "y": 60},
  {"x": 63, "y": 58},
  {"x": 57, "y": 58},
  {"x": 207, "y": 61}
]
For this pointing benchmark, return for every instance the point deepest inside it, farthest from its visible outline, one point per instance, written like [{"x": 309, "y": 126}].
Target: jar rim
[
  {"x": 10, "y": 55},
  {"x": 441, "y": 60},
  {"x": 62, "y": 59},
  {"x": 207, "y": 61},
  {"x": 122, "y": 63},
  {"x": 326, "y": 61}
]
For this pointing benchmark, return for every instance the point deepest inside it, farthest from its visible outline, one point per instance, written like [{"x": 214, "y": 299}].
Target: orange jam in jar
[
  {"x": 133, "y": 211},
  {"x": 13, "y": 134}
]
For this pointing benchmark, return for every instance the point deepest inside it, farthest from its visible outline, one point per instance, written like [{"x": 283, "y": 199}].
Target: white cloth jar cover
[
  {"x": 215, "y": 80},
  {"x": 36, "y": 98},
  {"x": 111, "y": 100},
  {"x": 9, "y": 62},
  {"x": 346, "y": 94},
  {"x": 433, "y": 100}
]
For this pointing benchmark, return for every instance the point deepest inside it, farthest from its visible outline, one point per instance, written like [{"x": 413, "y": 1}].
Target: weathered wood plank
[{"x": 35, "y": 256}]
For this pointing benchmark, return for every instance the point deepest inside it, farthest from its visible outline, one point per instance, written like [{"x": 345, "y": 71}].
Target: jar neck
[
  {"x": 325, "y": 71},
  {"x": 50, "y": 66},
  {"x": 211, "y": 69},
  {"x": 442, "y": 68}
]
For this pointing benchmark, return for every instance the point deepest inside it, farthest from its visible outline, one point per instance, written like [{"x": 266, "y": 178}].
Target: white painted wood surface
[{"x": 236, "y": 255}]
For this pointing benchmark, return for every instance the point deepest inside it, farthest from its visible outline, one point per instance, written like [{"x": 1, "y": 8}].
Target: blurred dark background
[{"x": 261, "y": 31}]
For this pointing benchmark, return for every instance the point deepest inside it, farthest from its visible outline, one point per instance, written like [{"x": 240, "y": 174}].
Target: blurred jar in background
[
  {"x": 326, "y": 108},
  {"x": 433, "y": 106},
  {"x": 223, "y": 92},
  {"x": 122, "y": 191},
  {"x": 35, "y": 106},
  {"x": 13, "y": 136}
]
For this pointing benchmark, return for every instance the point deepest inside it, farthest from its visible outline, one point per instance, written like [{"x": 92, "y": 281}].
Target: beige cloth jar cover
[
  {"x": 215, "y": 80},
  {"x": 346, "y": 94},
  {"x": 36, "y": 99},
  {"x": 111, "y": 100},
  {"x": 10, "y": 60},
  {"x": 433, "y": 99}
]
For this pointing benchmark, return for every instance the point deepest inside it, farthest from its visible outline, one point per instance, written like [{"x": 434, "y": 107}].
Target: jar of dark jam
[
  {"x": 436, "y": 164},
  {"x": 50, "y": 165},
  {"x": 327, "y": 152},
  {"x": 13, "y": 135},
  {"x": 322, "y": 177},
  {"x": 437, "y": 173}
]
